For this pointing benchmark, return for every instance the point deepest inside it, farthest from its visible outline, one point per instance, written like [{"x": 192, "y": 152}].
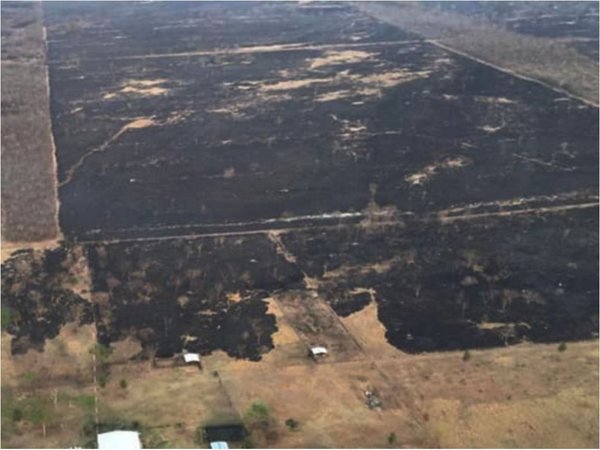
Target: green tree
[
  {"x": 39, "y": 412},
  {"x": 392, "y": 438},
  {"x": 101, "y": 352},
  {"x": 259, "y": 421},
  {"x": 5, "y": 317}
]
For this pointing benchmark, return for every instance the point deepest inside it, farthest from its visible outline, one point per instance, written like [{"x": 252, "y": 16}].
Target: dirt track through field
[
  {"x": 440, "y": 216},
  {"x": 513, "y": 73}
]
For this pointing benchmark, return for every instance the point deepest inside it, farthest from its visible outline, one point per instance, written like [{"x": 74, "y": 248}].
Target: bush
[
  {"x": 248, "y": 442},
  {"x": 102, "y": 379},
  {"x": 258, "y": 415},
  {"x": 258, "y": 420},
  {"x": 123, "y": 384},
  {"x": 292, "y": 424},
  {"x": 17, "y": 415},
  {"x": 87, "y": 402},
  {"x": 392, "y": 438},
  {"x": 562, "y": 347},
  {"x": 466, "y": 355},
  {"x": 30, "y": 377}
]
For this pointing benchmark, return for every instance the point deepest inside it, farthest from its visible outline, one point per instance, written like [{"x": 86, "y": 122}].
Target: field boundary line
[
  {"x": 511, "y": 72},
  {"x": 436, "y": 216},
  {"x": 276, "y": 48}
]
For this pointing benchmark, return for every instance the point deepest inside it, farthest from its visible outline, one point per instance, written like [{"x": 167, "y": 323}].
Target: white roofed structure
[
  {"x": 318, "y": 351},
  {"x": 191, "y": 357},
  {"x": 119, "y": 440}
]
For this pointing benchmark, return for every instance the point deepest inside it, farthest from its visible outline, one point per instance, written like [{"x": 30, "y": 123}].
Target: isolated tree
[
  {"x": 39, "y": 412},
  {"x": 392, "y": 438}
]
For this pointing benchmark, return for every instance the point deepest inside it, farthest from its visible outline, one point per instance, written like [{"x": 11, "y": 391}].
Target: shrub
[
  {"x": 562, "y": 347},
  {"x": 258, "y": 419},
  {"x": 123, "y": 384},
  {"x": 248, "y": 442},
  {"x": 17, "y": 415},
  {"x": 102, "y": 379},
  {"x": 392, "y": 438},
  {"x": 466, "y": 355},
  {"x": 292, "y": 424}
]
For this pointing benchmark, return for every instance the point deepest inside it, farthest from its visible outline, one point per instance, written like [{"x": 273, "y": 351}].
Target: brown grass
[
  {"x": 548, "y": 60},
  {"x": 29, "y": 198}
]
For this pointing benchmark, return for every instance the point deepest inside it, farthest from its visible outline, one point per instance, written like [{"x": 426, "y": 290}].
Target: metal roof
[
  {"x": 191, "y": 357},
  {"x": 119, "y": 440},
  {"x": 318, "y": 350}
]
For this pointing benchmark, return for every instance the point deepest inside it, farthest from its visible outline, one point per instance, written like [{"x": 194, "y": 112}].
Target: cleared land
[
  {"x": 246, "y": 180},
  {"x": 29, "y": 194}
]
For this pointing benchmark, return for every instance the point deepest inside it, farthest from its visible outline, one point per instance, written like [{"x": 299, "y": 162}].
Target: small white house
[
  {"x": 318, "y": 352},
  {"x": 219, "y": 445},
  {"x": 119, "y": 440},
  {"x": 191, "y": 358}
]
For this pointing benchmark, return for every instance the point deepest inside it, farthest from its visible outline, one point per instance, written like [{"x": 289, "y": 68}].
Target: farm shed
[{"x": 318, "y": 352}]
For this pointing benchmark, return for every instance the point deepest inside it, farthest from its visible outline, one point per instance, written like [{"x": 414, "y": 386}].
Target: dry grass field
[
  {"x": 549, "y": 60},
  {"x": 29, "y": 197},
  {"x": 530, "y": 395}
]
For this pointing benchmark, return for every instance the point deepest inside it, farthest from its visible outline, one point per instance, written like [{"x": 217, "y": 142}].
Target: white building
[{"x": 119, "y": 440}]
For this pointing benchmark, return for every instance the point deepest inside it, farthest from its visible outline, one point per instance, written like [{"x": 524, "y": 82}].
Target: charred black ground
[
  {"x": 153, "y": 141},
  {"x": 213, "y": 155}
]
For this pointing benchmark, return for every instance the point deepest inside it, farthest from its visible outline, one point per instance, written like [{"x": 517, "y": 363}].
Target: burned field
[
  {"x": 222, "y": 154},
  {"x": 261, "y": 136},
  {"x": 248, "y": 180}
]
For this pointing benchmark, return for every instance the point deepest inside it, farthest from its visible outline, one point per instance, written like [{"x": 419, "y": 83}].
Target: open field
[
  {"x": 530, "y": 395},
  {"x": 246, "y": 180},
  {"x": 285, "y": 131},
  {"x": 29, "y": 195},
  {"x": 551, "y": 42},
  {"x": 574, "y": 23}
]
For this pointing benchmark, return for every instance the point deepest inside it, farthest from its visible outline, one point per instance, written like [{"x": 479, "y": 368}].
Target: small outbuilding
[
  {"x": 318, "y": 352},
  {"x": 219, "y": 445},
  {"x": 119, "y": 440},
  {"x": 192, "y": 359}
]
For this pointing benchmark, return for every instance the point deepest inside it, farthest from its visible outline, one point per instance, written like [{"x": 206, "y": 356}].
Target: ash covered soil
[{"x": 213, "y": 155}]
